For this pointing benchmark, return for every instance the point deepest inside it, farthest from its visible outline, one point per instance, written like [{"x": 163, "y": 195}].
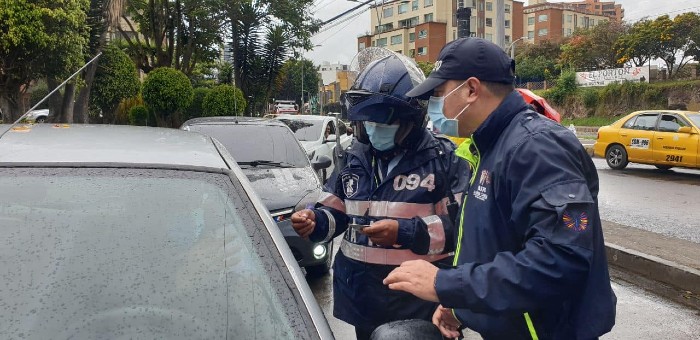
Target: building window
[
  {"x": 481, "y": 23},
  {"x": 399, "y": 51},
  {"x": 489, "y": 22},
  {"x": 388, "y": 12},
  {"x": 403, "y": 8},
  {"x": 422, "y": 50},
  {"x": 381, "y": 42},
  {"x": 412, "y": 53},
  {"x": 481, "y": 6},
  {"x": 531, "y": 34},
  {"x": 542, "y": 32},
  {"x": 507, "y": 23},
  {"x": 429, "y": 17},
  {"x": 414, "y": 5},
  {"x": 361, "y": 46},
  {"x": 569, "y": 18},
  {"x": 507, "y": 40},
  {"x": 568, "y": 32},
  {"x": 412, "y": 37},
  {"x": 592, "y": 22},
  {"x": 507, "y": 8},
  {"x": 489, "y": 6},
  {"x": 460, "y": 3},
  {"x": 396, "y": 39},
  {"x": 542, "y": 18},
  {"x": 531, "y": 20},
  {"x": 489, "y": 37},
  {"x": 427, "y": 3},
  {"x": 422, "y": 34}
]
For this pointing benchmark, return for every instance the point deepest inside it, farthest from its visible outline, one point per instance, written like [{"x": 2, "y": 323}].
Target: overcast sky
[{"x": 339, "y": 43}]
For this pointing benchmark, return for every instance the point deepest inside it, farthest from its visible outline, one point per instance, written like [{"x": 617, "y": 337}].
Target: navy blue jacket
[
  {"x": 415, "y": 193},
  {"x": 531, "y": 258}
]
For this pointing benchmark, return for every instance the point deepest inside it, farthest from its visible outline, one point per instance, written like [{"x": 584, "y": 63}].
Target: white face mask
[{"x": 436, "y": 107}]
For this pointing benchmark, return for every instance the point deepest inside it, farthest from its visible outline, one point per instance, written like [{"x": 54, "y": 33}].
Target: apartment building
[
  {"x": 604, "y": 8},
  {"x": 420, "y": 28},
  {"x": 556, "y": 21}
]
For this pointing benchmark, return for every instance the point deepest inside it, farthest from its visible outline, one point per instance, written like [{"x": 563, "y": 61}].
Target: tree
[
  {"x": 31, "y": 31},
  {"x": 426, "y": 67},
  {"x": 174, "y": 33},
  {"x": 224, "y": 100},
  {"x": 538, "y": 68},
  {"x": 102, "y": 15},
  {"x": 591, "y": 49},
  {"x": 165, "y": 92},
  {"x": 637, "y": 45},
  {"x": 289, "y": 81},
  {"x": 115, "y": 79},
  {"x": 138, "y": 115},
  {"x": 674, "y": 40},
  {"x": 196, "y": 108},
  {"x": 262, "y": 33}
]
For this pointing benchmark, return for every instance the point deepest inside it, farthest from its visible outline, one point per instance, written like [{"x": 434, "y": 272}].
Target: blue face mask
[
  {"x": 381, "y": 135},
  {"x": 449, "y": 127}
]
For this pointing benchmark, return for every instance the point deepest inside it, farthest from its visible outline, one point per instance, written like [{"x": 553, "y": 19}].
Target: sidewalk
[{"x": 667, "y": 266}]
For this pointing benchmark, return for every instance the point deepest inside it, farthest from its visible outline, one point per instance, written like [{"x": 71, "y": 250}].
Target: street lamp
[
  {"x": 302, "y": 79},
  {"x": 512, "y": 47}
]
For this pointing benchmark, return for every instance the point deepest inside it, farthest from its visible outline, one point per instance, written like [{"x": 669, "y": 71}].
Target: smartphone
[{"x": 358, "y": 227}]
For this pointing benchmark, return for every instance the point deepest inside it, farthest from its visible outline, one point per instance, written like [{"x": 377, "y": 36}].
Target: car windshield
[
  {"x": 305, "y": 130},
  {"x": 695, "y": 117},
  {"x": 258, "y": 145},
  {"x": 124, "y": 253}
]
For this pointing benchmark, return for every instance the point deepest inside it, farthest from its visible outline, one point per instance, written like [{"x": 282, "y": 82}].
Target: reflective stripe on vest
[
  {"x": 531, "y": 327},
  {"x": 392, "y": 257},
  {"x": 437, "y": 234},
  {"x": 331, "y": 201},
  {"x": 389, "y": 209}
]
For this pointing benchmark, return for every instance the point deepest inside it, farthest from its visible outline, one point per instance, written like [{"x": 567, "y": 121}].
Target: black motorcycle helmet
[{"x": 379, "y": 95}]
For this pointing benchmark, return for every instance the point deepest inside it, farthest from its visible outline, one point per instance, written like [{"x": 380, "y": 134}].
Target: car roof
[
  {"x": 664, "y": 111},
  {"x": 107, "y": 144},
  {"x": 304, "y": 117},
  {"x": 232, "y": 120}
]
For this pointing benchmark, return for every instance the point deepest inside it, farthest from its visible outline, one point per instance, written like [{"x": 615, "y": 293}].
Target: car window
[
  {"x": 646, "y": 122},
  {"x": 695, "y": 117},
  {"x": 671, "y": 123},
  {"x": 125, "y": 253},
  {"x": 305, "y": 130},
  {"x": 248, "y": 143},
  {"x": 629, "y": 123}
]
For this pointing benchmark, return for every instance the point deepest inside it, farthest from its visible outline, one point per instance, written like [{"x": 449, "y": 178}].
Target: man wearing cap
[{"x": 530, "y": 260}]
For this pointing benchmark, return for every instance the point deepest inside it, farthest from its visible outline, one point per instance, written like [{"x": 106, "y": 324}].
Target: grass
[{"x": 589, "y": 121}]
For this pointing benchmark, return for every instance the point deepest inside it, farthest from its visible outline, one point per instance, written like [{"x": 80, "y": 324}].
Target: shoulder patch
[
  {"x": 350, "y": 184},
  {"x": 575, "y": 222}
]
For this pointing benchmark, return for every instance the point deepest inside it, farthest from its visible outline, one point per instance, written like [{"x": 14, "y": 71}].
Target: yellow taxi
[{"x": 663, "y": 138}]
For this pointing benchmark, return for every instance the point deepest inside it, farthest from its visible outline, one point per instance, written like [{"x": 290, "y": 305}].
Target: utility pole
[{"x": 500, "y": 23}]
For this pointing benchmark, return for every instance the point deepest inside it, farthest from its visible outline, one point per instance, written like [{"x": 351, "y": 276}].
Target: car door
[
  {"x": 672, "y": 147},
  {"x": 638, "y": 139}
]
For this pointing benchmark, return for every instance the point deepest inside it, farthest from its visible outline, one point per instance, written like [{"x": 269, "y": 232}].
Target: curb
[{"x": 665, "y": 278}]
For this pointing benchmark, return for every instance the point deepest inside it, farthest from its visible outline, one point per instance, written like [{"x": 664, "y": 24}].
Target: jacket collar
[{"x": 490, "y": 130}]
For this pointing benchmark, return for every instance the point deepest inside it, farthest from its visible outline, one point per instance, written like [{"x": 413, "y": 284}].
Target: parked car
[
  {"x": 279, "y": 171},
  {"x": 38, "y": 116},
  {"x": 125, "y": 232},
  {"x": 662, "y": 138},
  {"x": 317, "y": 135}
]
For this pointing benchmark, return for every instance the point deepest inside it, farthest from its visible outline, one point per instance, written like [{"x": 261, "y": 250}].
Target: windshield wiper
[{"x": 257, "y": 163}]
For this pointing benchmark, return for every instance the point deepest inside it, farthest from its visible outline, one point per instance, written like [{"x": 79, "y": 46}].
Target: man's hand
[
  {"x": 304, "y": 222},
  {"x": 383, "y": 233},
  {"x": 416, "y": 277},
  {"x": 446, "y": 322}
]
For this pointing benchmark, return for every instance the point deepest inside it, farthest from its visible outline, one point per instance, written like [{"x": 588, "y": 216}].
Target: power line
[
  {"x": 669, "y": 12},
  {"x": 342, "y": 28},
  {"x": 336, "y": 24}
]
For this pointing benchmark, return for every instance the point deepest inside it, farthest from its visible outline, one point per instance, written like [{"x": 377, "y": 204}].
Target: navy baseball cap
[{"x": 464, "y": 58}]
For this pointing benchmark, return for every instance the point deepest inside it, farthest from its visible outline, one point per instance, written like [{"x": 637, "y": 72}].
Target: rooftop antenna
[{"x": 51, "y": 93}]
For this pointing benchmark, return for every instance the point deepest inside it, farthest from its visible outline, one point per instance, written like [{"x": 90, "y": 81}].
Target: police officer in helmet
[{"x": 390, "y": 201}]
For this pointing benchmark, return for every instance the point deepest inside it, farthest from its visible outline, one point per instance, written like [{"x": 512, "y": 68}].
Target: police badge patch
[{"x": 350, "y": 184}]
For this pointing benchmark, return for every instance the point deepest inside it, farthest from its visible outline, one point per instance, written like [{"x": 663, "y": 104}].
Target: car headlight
[{"x": 320, "y": 251}]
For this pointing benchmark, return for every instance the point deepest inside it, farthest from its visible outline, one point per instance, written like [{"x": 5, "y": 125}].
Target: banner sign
[{"x": 614, "y": 75}]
